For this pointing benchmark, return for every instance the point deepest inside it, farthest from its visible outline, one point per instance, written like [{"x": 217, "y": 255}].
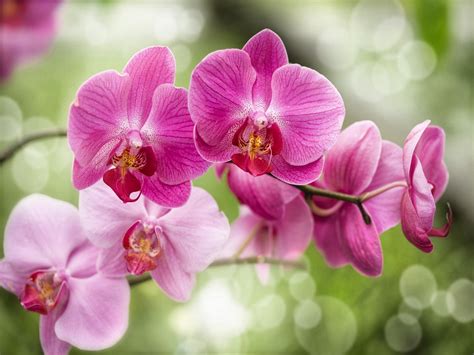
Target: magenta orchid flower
[
  {"x": 359, "y": 162},
  {"x": 27, "y": 28},
  {"x": 173, "y": 244},
  {"x": 427, "y": 176},
  {"x": 133, "y": 130},
  {"x": 265, "y": 195},
  {"x": 267, "y": 116},
  {"x": 51, "y": 266},
  {"x": 285, "y": 238}
]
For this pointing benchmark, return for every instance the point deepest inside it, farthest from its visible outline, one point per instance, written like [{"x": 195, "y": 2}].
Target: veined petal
[
  {"x": 50, "y": 343},
  {"x": 328, "y": 238},
  {"x": 10, "y": 279},
  {"x": 197, "y": 231},
  {"x": 296, "y": 174},
  {"x": 265, "y": 195},
  {"x": 219, "y": 153},
  {"x": 309, "y": 111},
  {"x": 413, "y": 230},
  {"x": 104, "y": 217},
  {"x": 96, "y": 315},
  {"x": 42, "y": 232},
  {"x": 361, "y": 242},
  {"x": 267, "y": 53},
  {"x": 293, "y": 230},
  {"x": 98, "y": 115},
  {"x": 170, "y": 276},
  {"x": 430, "y": 151},
  {"x": 164, "y": 194},
  {"x": 384, "y": 209},
  {"x": 352, "y": 162},
  {"x": 169, "y": 130},
  {"x": 409, "y": 147},
  {"x": 220, "y": 94},
  {"x": 421, "y": 195},
  {"x": 148, "y": 69}
]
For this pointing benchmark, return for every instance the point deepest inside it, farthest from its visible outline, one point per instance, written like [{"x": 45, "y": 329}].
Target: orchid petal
[
  {"x": 96, "y": 315},
  {"x": 265, "y": 195},
  {"x": 220, "y": 94},
  {"x": 169, "y": 130},
  {"x": 50, "y": 343},
  {"x": 297, "y": 175},
  {"x": 148, "y": 69},
  {"x": 105, "y": 218},
  {"x": 98, "y": 116},
  {"x": 385, "y": 208},
  {"x": 352, "y": 162},
  {"x": 197, "y": 231},
  {"x": 42, "y": 232},
  {"x": 414, "y": 232},
  {"x": 309, "y": 111},
  {"x": 327, "y": 235},
  {"x": 164, "y": 194},
  {"x": 170, "y": 276},
  {"x": 293, "y": 230},
  {"x": 267, "y": 53},
  {"x": 361, "y": 242}
]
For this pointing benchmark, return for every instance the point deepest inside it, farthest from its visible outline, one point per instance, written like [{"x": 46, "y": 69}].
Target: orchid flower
[
  {"x": 285, "y": 238},
  {"x": 51, "y": 266},
  {"x": 267, "y": 116},
  {"x": 133, "y": 130},
  {"x": 427, "y": 176},
  {"x": 264, "y": 195},
  {"x": 27, "y": 28},
  {"x": 172, "y": 244},
  {"x": 359, "y": 162}
]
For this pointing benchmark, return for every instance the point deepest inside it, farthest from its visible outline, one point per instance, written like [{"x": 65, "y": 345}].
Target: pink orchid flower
[
  {"x": 51, "y": 266},
  {"x": 173, "y": 244},
  {"x": 27, "y": 28},
  {"x": 267, "y": 116},
  {"x": 285, "y": 238},
  {"x": 359, "y": 162},
  {"x": 134, "y": 131},
  {"x": 427, "y": 176},
  {"x": 264, "y": 195}
]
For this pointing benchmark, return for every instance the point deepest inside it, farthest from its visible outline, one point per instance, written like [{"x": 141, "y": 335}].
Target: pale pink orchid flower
[
  {"x": 427, "y": 177},
  {"x": 268, "y": 116},
  {"x": 172, "y": 244},
  {"x": 133, "y": 130},
  {"x": 27, "y": 29},
  {"x": 285, "y": 238},
  {"x": 359, "y": 162},
  {"x": 52, "y": 267}
]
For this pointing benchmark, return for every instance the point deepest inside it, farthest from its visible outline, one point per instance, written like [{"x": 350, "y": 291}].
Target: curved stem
[
  {"x": 136, "y": 280},
  {"x": 9, "y": 152},
  {"x": 307, "y": 189}
]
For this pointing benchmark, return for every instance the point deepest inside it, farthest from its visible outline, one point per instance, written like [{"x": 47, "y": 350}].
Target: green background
[{"x": 396, "y": 63}]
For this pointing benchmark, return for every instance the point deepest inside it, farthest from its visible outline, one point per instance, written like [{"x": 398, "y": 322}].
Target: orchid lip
[
  {"x": 258, "y": 141},
  {"x": 43, "y": 291},
  {"x": 143, "y": 244}
]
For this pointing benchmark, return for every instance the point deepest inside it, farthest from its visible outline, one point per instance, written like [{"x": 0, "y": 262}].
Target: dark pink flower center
[
  {"x": 11, "y": 11},
  {"x": 142, "y": 247},
  {"x": 258, "y": 141},
  {"x": 42, "y": 291},
  {"x": 121, "y": 178}
]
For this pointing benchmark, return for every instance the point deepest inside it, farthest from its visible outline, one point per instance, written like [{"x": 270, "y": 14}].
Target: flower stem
[
  {"x": 308, "y": 190},
  {"x": 9, "y": 152},
  {"x": 233, "y": 261}
]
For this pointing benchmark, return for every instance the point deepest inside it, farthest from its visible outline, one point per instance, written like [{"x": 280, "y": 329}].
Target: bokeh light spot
[
  {"x": 462, "y": 292},
  {"x": 403, "y": 333},
  {"x": 417, "y": 286},
  {"x": 307, "y": 314},
  {"x": 302, "y": 286}
]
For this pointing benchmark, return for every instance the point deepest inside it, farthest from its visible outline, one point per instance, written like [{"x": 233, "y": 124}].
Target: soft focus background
[{"x": 394, "y": 62}]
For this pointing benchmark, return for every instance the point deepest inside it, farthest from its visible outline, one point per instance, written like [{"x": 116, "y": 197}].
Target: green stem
[{"x": 136, "y": 280}]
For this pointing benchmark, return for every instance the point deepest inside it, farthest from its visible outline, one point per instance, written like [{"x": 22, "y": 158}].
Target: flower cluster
[{"x": 270, "y": 127}]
